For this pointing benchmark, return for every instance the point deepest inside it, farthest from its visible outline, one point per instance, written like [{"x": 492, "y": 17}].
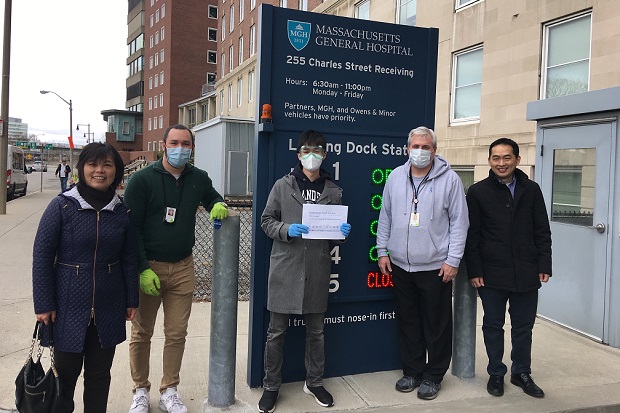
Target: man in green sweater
[{"x": 163, "y": 198}]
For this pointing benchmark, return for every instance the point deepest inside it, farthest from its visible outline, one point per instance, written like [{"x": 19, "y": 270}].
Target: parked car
[
  {"x": 39, "y": 166},
  {"x": 16, "y": 173}
]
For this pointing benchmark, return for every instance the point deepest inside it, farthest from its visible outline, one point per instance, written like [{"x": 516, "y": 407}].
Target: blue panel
[{"x": 364, "y": 85}]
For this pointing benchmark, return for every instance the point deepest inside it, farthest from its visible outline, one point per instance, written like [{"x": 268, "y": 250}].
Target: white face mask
[
  {"x": 311, "y": 162},
  {"x": 420, "y": 158}
]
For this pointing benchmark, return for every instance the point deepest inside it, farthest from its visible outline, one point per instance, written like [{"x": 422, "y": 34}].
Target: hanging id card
[
  {"x": 170, "y": 215},
  {"x": 414, "y": 220}
]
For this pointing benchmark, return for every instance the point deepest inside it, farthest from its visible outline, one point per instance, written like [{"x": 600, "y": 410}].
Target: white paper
[{"x": 324, "y": 221}]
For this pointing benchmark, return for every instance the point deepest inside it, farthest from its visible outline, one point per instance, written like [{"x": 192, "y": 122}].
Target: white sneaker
[
  {"x": 170, "y": 401},
  {"x": 141, "y": 401}
]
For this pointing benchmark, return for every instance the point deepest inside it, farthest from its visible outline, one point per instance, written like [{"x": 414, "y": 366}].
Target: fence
[{"x": 203, "y": 250}]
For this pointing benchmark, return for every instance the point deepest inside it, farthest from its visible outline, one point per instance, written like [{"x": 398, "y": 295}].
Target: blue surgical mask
[
  {"x": 420, "y": 158},
  {"x": 178, "y": 157}
]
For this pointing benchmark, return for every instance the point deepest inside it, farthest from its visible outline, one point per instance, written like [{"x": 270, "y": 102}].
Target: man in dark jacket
[{"x": 508, "y": 255}]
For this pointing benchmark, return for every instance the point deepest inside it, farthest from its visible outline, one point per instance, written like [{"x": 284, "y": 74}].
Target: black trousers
[
  {"x": 522, "y": 309},
  {"x": 424, "y": 319},
  {"x": 97, "y": 364}
]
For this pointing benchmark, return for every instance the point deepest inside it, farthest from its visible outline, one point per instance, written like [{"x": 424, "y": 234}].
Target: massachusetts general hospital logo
[{"x": 298, "y": 34}]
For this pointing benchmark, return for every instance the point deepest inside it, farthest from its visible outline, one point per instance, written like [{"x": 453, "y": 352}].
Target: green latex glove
[
  {"x": 149, "y": 282},
  {"x": 218, "y": 211}
]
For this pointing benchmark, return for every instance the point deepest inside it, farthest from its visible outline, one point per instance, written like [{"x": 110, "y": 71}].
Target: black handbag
[{"x": 35, "y": 390}]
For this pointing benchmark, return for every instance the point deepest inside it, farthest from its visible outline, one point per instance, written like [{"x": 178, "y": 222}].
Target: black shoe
[
  {"x": 321, "y": 395},
  {"x": 495, "y": 386},
  {"x": 267, "y": 402},
  {"x": 428, "y": 390},
  {"x": 406, "y": 384},
  {"x": 524, "y": 380}
]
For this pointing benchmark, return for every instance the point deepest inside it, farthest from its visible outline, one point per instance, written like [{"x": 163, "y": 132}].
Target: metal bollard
[
  {"x": 222, "y": 356},
  {"x": 464, "y": 338}
]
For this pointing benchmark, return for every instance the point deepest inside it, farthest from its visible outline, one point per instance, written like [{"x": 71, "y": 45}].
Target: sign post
[{"x": 364, "y": 85}]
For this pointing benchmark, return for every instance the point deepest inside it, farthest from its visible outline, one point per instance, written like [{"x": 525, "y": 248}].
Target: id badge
[
  {"x": 170, "y": 215},
  {"x": 414, "y": 220}
]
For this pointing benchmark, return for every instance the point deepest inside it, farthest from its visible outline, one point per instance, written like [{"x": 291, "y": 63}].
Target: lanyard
[
  {"x": 163, "y": 184},
  {"x": 416, "y": 191}
]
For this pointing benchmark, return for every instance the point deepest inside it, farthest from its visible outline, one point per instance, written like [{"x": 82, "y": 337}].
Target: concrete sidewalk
[{"x": 577, "y": 374}]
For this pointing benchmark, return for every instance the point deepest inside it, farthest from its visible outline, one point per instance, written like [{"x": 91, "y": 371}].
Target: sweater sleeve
[
  {"x": 459, "y": 222},
  {"x": 384, "y": 226},
  {"x": 129, "y": 261},
  {"x": 271, "y": 219}
]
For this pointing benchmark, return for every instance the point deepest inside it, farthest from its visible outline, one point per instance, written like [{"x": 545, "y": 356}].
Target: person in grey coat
[{"x": 299, "y": 268}]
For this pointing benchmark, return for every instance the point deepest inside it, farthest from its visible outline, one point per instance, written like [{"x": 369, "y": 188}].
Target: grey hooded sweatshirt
[{"x": 443, "y": 223}]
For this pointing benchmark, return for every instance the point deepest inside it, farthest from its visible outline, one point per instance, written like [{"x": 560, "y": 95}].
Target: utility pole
[{"x": 6, "y": 71}]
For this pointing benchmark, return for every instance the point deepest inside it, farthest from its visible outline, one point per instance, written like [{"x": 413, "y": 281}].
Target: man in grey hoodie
[{"x": 423, "y": 227}]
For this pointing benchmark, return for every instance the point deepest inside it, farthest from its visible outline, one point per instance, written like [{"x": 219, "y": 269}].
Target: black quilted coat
[{"x": 85, "y": 266}]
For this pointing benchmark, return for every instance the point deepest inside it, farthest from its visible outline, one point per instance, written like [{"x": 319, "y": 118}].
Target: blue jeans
[
  {"x": 314, "y": 353},
  {"x": 63, "y": 183}
]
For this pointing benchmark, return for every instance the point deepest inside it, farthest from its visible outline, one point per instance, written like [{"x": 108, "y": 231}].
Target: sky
[{"x": 76, "y": 48}]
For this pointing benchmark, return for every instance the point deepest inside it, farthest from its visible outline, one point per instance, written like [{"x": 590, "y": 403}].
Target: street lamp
[
  {"x": 70, "y": 103},
  {"x": 87, "y": 134}
]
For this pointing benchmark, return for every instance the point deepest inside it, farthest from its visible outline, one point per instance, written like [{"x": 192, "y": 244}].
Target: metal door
[
  {"x": 575, "y": 179},
  {"x": 238, "y": 172}
]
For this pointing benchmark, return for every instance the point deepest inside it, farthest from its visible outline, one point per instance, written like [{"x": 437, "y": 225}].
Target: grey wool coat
[{"x": 299, "y": 268}]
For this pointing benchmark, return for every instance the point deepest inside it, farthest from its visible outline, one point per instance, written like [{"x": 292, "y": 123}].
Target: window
[
  {"x": 161, "y": 55},
  {"x": 211, "y": 78},
  {"x": 156, "y": 82},
  {"x": 191, "y": 115},
  {"x": 239, "y": 92},
  {"x": 156, "y": 59},
  {"x": 230, "y": 96},
  {"x": 155, "y": 122},
  {"x": 211, "y": 56},
  {"x": 125, "y": 128},
  {"x": 463, "y": 3},
  {"x": 162, "y": 34},
  {"x": 566, "y": 62},
  {"x": 212, "y": 34},
  {"x": 150, "y": 127},
  {"x": 240, "y": 50},
  {"x": 204, "y": 112},
  {"x": 283, "y": 3},
  {"x": 161, "y": 78},
  {"x": 156, "y": 16},
  {"x": 152, "y": 2},
  {"x": 213, "y": 12},
  {"x": 223, "y": 70},
  {"x": 221, "y": 102},
  {"x": 161, "y": 121},
  {"x": 157, "y": 38},
  {"x": 155, "y": 103},
  {"x": 223, "y": 27},
  {"x": 151, "y": 62},
  {"x": 251, "y": 86},
  {"x": 303, "y": 5},
  {"x": 467, "y": 86},
  {"x": 231, "y": 58},
  {"x": 148, "y": 144},
  {"x": 163, "y": 11},
  {"x": 150, "y": 83},
  {"x": 252, "y": 4},
  {"x": 252, "y": 39},
  {"x": 407, "y": 12},
  {"x": 151, "y": 20},
  {"x": 241, "y": 9},
  {"x": 151, "y": 42},
  {"x": 466, "y": 173},
  {"x": 232, "y": 18},
  {"x": 150, "y": 103},
  {"x": 161, "y": 100},
  {"x": 362, "y": 10}
]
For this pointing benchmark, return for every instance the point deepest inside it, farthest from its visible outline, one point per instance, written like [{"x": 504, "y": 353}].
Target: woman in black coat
[{"x": 85, "y": 275}]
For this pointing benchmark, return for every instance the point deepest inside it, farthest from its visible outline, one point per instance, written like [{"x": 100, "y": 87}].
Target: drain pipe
[{"x": 464, "y": 338}]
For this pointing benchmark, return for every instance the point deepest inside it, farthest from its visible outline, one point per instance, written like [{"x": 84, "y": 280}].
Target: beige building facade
[{"x": 495, "y": 56}]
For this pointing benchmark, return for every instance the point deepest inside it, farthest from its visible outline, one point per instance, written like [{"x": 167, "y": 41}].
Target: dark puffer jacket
[
  {"x": 85, "y": 264},
  {"x": 509, "y": 240}
]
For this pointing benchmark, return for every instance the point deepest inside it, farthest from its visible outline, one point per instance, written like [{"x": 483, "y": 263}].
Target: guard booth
[{"x": 577, "y": 168}]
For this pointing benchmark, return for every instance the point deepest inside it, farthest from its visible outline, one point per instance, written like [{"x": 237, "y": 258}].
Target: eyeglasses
[{"x": 312, "y": 149}]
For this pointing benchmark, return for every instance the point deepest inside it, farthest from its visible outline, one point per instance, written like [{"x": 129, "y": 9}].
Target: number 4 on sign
[{"x": 335, "y": 253}]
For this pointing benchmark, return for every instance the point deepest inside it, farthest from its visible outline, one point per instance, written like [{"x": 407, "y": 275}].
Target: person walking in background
[
  {"x": 85, "y": 274},
  {"x": 508, "y": 256},
  {"x": 63, "y": 171},
  {"x": 299, "y": 270},
  {"x": 423, "y": 225},
  {"x": 164, "y": 198}
]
